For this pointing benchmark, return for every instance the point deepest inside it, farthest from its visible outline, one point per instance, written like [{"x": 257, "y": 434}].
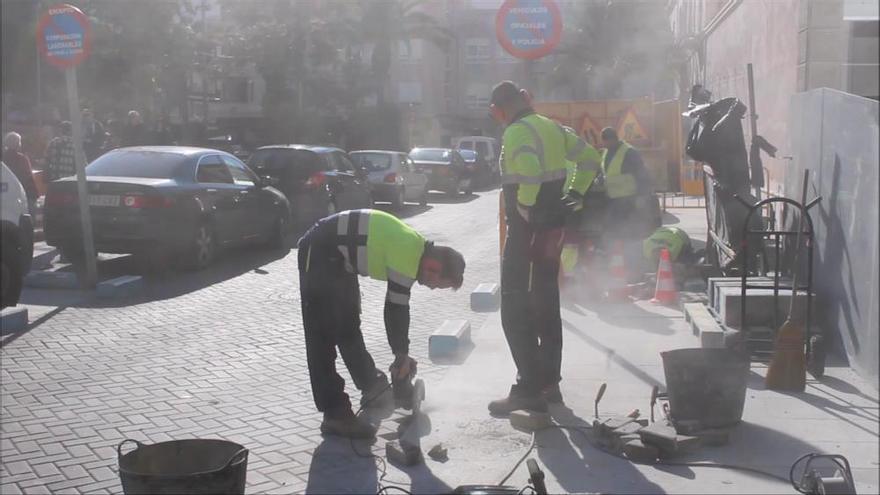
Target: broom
[{"x": 788, "y": 368}]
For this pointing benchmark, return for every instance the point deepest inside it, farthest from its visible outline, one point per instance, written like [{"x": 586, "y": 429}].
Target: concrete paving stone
[
  {"x": 27, "y": 446},
  {"x": 53, "y": 448},
  {"x": 38, "y": 485},
  {"x": 44, "y": 470},
  {"x": 268, "y": 487},
  {"x": 103, "y": 474},
  {"x": 106, "y": 486},
  {"x": 18, "y": 478},
  {"x": 18, "y": 467},
  {"x": 10, "y": 488},
  {"x": 66, "y": 485}
]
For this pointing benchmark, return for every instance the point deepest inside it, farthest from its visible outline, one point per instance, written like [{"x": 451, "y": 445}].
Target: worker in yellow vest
[
  {"x": 537, "y": 202},
  {"x": 632, "y": 211}
]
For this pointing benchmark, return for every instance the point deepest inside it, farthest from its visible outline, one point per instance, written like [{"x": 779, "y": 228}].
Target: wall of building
[
  {"x": 764, "y": 34},
  {"x": 835, "y": 135}
]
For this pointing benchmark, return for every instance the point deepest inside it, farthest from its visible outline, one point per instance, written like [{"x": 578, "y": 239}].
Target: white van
[
  {"x": 18, "y": 237},
  {"x": 487, "y": 147}
]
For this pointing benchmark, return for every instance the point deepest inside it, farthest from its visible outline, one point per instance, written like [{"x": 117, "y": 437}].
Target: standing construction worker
[
  {"x": 533, "y": 157},
  {"x": 632, "y": 212},
  {"x": 331, "y": 255}
]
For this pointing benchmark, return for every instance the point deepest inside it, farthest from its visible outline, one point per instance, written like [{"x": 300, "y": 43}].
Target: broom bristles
[{"x": 788, "y": 368}]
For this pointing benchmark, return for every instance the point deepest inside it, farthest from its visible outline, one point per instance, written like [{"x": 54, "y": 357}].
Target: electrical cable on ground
[{"x": 585, "y": 430}]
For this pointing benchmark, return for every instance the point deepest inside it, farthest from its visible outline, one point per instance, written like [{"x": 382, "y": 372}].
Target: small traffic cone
[
  {"x": 618, "y": 289},
  {"x": 665, "y": 292}
]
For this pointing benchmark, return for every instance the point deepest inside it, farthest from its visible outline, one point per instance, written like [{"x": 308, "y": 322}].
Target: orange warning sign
[
  {"x": 590, "y": 130},
  {"x": 630, "y": 129}
]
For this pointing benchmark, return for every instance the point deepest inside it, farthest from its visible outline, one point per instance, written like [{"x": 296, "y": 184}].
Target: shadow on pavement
[
  {"x": 622, "y": 315},
  {"x": 612, "y": 355},
  {"x": 669, "y": 219},
  {"x": 572, "y": 461},
  {"x": 8, "y": 338},
  {"x": 337, "y": 468},
  {"x": 169, "y": 283}
]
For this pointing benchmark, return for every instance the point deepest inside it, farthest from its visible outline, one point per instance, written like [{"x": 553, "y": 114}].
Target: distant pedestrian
[
  {"x": 60, "y": 155},
  {"x": 94, "y": 135},
  {"x": 134, "y": 132},
  {"x": 163, "y": 135},
  {"x": 20, "y": 165}
]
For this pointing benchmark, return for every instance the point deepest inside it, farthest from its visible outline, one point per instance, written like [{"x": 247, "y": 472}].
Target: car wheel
[
  {"x": 454, "y": 189},
  {"x": 397, "y": 202},
  {"x": 278, "y": 236},
  {"x": 11, "y": 277},
  {"x": 203, "y": 248}
]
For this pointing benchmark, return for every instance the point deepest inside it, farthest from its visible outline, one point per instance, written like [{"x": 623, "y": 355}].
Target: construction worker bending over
[
  {"x": 632, "y": 210},
  {"x": 331, "y": 255},
  {"x": 533, "y": 161}
]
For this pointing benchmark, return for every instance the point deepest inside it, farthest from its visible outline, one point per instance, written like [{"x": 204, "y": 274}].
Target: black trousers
[
  {"x": 330, "y": 299},
  {"x": 530, "y": 304}
]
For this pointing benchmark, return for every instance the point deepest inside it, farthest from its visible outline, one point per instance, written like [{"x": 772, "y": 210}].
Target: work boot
[
  {"x": 515, "y": 401},
  {"x": 379, "y": 395},
  {"x": 344, "y": 423},
  {"x": 552, "y": 394}
]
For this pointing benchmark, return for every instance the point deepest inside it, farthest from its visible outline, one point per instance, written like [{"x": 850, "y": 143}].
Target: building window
[
  {"x": 409, "y": 92},
  {"x": 410, "y": 51},
  {"x": 477, "y": 95},
  {"x": 476, "y": 49},
  {"x": 237, "y": 90}
]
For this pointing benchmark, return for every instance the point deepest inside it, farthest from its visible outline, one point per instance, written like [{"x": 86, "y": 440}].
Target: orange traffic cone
[
  {"x": 618, "y": 289},
  {"x": 665, "y": 292}
]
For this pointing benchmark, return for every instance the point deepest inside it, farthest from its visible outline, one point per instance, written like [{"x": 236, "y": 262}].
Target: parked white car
[
  {"x": 392, "y": 177},
  {"x": 17, "y": 235}
]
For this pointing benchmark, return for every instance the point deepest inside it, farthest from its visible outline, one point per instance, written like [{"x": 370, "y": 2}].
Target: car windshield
[
  {"x": 468, "y": 155},
  {"x": 373, "y": 162},
  {"x": 431, "y": 155},
  {"x": 276, "y": 161},
  {"x": 146, "y": 164}
]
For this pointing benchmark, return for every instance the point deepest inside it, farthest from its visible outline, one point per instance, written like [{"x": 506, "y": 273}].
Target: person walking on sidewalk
[
  {"x": 332, "y": 254},
  {"x": 534, "y": 152},
  {"x": 60, "y": 154},
  {"x": 20, "y": 165}
]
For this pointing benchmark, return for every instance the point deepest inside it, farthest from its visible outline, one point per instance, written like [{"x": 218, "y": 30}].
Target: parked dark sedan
[
  {"x": 481, "y": 171},
  {"x": 445, "y": 169},
  {"x": 317, "y": 180},
  {"x": 168, "y": 199}
]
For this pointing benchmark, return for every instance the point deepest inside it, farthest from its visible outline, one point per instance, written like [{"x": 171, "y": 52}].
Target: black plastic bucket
[
  {"x": 706, "y": 385},
  {"x": 193, "y": 466}
]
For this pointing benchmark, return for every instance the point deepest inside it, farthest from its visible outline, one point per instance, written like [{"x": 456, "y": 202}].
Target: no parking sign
[
  {"x": 64, "y": 36},
  {"x": 529, "y": 29}
]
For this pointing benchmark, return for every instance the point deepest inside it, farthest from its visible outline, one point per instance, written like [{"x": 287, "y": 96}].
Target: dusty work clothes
[
  {"x": 534, "y": 154},
  {"x": 674, "y": 239},
  {"x": 331, "y": 256}
]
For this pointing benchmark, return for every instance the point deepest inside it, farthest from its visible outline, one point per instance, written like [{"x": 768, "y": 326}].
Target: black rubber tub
[
  {"x": 706, "y": 385},
  {"x": 194, "y": 466}
]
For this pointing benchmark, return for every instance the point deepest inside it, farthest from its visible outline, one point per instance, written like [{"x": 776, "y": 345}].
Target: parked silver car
[{"x": 392, "y": 177}]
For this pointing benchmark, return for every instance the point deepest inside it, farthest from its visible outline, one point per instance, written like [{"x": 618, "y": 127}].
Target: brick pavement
[{"x": 218, "y": 354}]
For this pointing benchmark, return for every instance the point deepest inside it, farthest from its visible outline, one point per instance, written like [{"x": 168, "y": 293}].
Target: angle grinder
[{"x": 409, "y": 392}]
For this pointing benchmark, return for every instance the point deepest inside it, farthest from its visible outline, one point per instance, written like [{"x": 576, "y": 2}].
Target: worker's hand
[
  {"x": 402, "y": 367},
  {"x": 523, "y": 212},
  {"x": 573, "y": 201}
]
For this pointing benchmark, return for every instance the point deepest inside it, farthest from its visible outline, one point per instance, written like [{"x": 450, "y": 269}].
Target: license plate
[{"x": 103, "y": 200}]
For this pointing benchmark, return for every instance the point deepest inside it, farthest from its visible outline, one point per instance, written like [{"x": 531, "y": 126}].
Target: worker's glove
[
  {"x": 402, "y": 367},
  {"x": 573, "y": 201}
]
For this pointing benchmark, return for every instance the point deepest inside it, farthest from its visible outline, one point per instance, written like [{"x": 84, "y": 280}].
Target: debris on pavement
[{"x": 438, "y": 453}]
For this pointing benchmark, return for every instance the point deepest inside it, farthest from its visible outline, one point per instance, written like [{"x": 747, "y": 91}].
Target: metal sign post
[{"x": 64, "y": 38}]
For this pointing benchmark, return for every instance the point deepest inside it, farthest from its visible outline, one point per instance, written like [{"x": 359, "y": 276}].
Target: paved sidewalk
[{"x": 220, "y": 355}]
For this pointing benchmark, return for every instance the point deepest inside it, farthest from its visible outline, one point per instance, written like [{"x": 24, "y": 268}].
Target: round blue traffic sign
[
  {"x": 64, "y": 36},
  {"x": 529, "y": 29}
]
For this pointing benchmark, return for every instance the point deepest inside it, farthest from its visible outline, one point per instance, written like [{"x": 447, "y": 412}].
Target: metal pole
[
  {"x": 753, "y": 118},
  {"x": 82, "y": 190}
]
